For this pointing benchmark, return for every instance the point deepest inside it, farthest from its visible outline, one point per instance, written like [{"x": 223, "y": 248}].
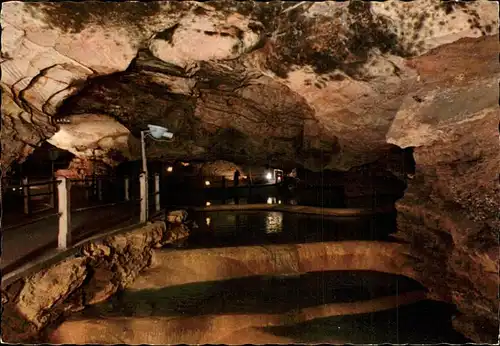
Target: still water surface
[{"x": 229, "y": 228}]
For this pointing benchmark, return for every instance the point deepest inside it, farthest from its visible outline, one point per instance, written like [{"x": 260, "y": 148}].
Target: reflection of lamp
[
  {"x": 208, "y": 221},
  {"x": 208, "y": 204},
  {"x": 274, "y": 222}
]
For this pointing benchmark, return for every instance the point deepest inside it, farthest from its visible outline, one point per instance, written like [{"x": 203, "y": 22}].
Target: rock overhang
[{"x": 316, "y": 83}]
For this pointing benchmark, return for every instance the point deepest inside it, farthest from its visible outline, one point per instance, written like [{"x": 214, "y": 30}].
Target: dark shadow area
[
  {"x": 425, "y": 322},
  {"x": 38, "y": 167},
  {"x": 256, "y": 295},
  {"x": 229, "y": 228}
]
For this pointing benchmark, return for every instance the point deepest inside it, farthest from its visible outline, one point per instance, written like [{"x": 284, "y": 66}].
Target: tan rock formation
[
  {"x": 102, "y": 267},
  {"x": 170, "y": 268},
  {"x": 450, "y": 211},
  {"x": 279, "y": 82},
  {"x": 211, "y": 329}
]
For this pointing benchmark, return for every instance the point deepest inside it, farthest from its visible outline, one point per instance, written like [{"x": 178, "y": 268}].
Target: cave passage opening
[{"x": 41, "y": 163}]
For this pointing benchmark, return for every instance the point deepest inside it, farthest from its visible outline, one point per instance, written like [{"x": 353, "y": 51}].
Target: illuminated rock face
[
  {"x": 324, "y": 85},
  {"x": 284, "y": 83}
]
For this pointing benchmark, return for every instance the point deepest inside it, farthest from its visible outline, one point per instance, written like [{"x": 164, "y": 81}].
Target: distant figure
[{"x": 236, "y": 178}]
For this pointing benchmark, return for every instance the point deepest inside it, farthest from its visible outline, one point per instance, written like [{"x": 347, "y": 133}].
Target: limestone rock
[
  {"x": 104, "y": 267},
  {"x": 48, "y": 289},
  {"x": 171, "y": 268},
  {"x": 177, "y": 216},
  {"x": 279, "y": 82}
]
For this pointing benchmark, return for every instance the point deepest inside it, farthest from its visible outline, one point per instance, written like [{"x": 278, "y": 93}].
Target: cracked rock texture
[
  {"x": 281, "y": 83},
  {"x": 101, "y": 268},
  {"x": 322, "y": 85}
]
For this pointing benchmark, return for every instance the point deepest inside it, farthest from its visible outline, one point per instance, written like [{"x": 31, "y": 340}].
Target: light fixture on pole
[{"x": 157, "y": 133}]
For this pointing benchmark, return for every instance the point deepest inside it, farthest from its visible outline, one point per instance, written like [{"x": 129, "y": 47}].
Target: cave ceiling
[{"x": 323, "y": 85}]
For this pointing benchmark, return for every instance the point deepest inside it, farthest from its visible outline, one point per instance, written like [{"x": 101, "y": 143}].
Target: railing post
[
  {"x": 64, "y": 235},
  {"x": 26, "y": 194},
  {"x": 99, "y": 189},
  {"x": 127, "y": 189},
  {"x": 157, "y": 192},
  {"x": 144, "y": 196}
]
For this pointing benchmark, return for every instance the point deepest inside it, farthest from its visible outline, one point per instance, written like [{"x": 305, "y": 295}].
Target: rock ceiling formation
[
  {"x": 323, "y": 85},
  {"x": 292, "y": 82}
]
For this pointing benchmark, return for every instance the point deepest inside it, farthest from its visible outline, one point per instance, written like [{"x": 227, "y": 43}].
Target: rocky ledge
[{"x": 100, "y": 269}]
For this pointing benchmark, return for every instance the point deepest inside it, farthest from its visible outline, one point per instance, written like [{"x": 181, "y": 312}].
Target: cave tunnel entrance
[{"x": 40, "y": 165}]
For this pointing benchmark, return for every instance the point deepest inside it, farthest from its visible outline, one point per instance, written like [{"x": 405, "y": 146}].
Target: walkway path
[{"x": 24, "y": 243}]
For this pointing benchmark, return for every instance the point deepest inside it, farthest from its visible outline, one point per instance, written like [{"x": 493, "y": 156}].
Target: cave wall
[
  {"x": 450, "y": 211},
  {"x": 278, "y": 83}
]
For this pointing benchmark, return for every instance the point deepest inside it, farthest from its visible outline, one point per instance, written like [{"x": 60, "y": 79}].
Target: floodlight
[{"x": 159, "y": 131}]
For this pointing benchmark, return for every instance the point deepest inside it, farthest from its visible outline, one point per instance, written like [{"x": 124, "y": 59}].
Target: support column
[
  {"x": 144, "y": 196},
  {"x": 64, "y": 235},
  {"x": 127, "y": 188}
]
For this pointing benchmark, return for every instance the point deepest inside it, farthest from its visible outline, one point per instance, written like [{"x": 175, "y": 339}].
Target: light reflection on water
[
  {"x": 274, "y": 222},
  {"x": 228, "y": 228}
]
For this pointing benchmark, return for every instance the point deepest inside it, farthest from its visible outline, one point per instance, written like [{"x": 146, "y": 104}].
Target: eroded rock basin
[
  {"x": 321, "y": 307},
  {"x": 269, "y": 294}
]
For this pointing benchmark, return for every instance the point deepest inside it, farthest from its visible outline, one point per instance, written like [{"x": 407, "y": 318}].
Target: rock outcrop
[
  {"x": 170, "y": 268},
  {"x": 212, "y": 329},
  {"x": 450, "y": 211},
  {"x": 100, "y": 269},
  {"x": 271, "y": 82}
]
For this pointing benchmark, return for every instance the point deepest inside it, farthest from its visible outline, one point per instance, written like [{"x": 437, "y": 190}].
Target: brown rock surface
[
  {"x": 278, "y": 82},
  {"x": 102, "y": 267},
  {"x": 210, "y": 329},
  {"x": 178, "y": 267},
  {"x": 449, "y": 212}
]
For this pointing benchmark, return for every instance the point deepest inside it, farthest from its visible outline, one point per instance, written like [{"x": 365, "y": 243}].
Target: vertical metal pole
[
  {"x": 144, "y": 193},
  {"x": 26, "y": 194},
  {"x": 157, "y": 192},
  {"x": 64, "y": 235},
  {"x": 144, "y": 199},
  {"x": 127, "y": 189},
  {"x": 143, "y": 152}
]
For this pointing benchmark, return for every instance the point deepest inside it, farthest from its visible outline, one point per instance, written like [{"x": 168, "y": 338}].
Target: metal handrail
[{"x": 50, "y": 182}]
